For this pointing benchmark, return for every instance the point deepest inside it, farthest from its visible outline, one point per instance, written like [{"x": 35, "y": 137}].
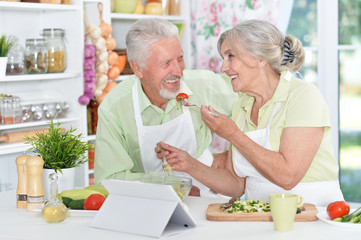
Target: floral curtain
[{"x": 209, "y": 18}]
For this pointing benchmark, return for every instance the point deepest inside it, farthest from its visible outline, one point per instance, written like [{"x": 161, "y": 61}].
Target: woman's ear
[
  {"x": 136, "y": 69},
  {"x": 262, "y": 63}
]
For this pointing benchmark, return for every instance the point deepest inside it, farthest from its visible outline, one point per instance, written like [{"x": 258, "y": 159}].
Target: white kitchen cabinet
[{"x": 26, "y": 20}]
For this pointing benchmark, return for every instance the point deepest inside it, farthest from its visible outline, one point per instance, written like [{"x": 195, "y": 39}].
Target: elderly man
[{"x": 142, "y": 110}]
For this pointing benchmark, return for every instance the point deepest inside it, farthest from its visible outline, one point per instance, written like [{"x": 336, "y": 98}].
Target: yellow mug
[{"x": 283, "y": 209}]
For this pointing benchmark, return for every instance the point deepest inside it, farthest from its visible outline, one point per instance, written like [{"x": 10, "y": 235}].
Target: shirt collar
[{"x": 144, "y": 101}]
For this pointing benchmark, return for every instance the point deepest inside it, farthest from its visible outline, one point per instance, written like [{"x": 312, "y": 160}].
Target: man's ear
[{"x": 136, "y": 69}]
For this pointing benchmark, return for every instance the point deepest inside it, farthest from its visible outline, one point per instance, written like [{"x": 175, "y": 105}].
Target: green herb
[
  {"x": 59, "y": 149},
  {"x": 5, "y": 45}
]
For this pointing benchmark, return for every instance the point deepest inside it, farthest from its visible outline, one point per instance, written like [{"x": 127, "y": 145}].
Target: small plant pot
[{"x": 66, "y": 181}]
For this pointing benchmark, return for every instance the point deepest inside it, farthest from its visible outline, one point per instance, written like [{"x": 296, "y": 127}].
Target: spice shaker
[
  {"x": 36, "y": 56},
  {"x": 56, "y": 49},
  {"x": 35, "y": 182},
  {"x": 22, "y": 190},
  {"x": 16, "y": 61}
]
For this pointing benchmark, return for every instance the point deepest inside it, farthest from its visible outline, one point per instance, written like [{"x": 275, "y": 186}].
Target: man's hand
[{"x": 194, "y": 192}]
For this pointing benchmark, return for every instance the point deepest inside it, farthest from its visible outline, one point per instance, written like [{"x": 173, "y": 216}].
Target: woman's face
[{"x": 242, "y": 68}]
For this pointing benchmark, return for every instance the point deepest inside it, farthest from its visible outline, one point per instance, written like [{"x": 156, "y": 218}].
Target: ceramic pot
[
  {"x": 125, "y": 6},
  {"x": 66, "y": 180},
  {"x": 3, "y": 61}
]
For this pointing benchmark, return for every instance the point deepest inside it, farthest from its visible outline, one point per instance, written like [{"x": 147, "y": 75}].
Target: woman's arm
[{"x": 285, "y": 168}]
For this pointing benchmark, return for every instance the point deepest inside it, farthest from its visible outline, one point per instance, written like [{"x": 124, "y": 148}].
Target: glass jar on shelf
[
  {"x": 16, "y": 61},
  {"x": 56, "y": 49},
  {"x": 11, "y": 110},
  {"x": 36, "y": 56}
]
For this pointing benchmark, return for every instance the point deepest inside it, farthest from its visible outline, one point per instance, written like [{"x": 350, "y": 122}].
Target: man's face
[{"x": 164, "y": 69}]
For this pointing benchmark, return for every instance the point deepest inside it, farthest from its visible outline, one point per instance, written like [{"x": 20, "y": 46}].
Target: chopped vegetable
[{"x": 247, "y": 206}]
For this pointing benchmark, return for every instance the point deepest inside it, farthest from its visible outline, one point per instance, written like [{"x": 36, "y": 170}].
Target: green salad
[{"x": 248, "y": 206}]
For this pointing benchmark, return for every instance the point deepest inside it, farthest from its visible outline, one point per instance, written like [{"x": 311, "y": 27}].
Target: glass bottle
[
  {"x": 15, "y": 63},
  {"x": 54, "y": 210},
  {"x": 56, "y": 49},
  {"x": 36, "y": 57}
]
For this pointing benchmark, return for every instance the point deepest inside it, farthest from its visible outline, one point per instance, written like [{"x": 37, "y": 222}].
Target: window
[
  {"x": 350, "y": 97},
  {"x": 331, "y": 34}
]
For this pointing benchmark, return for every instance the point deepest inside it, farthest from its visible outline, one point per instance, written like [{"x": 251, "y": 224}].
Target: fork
[
  {"x": 187, "y": 104},
  {"x": 166, "y": 167}
]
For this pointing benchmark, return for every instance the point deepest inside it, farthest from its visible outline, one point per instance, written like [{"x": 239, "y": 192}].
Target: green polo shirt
[
  {"x": 302, "y": 105},
  {"x": 117, "y": 153}
]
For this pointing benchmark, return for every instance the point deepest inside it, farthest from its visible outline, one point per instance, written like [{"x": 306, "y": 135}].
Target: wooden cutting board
[{"x": 214, "y": 213}]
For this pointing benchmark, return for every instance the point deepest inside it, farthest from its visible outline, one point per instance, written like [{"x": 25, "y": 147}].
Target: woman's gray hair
[
  {"x": 264, "y": 41},
  {"x": 143, "y": 33}
]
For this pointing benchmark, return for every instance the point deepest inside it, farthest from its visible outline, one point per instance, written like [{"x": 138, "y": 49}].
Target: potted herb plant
[
  {"x": 5, "y": 44},
  {"x": 62, "y": 151}
]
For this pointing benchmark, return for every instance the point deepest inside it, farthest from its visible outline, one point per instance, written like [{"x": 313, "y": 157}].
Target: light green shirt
[
  {"x": 117, "y": 153},
  {"x": 302, "y": 105}
]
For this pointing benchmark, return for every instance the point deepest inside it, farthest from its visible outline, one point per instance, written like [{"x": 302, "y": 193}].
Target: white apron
[
  {"x": 259, "y": 188},
  {"x": 172, "y": 133}
]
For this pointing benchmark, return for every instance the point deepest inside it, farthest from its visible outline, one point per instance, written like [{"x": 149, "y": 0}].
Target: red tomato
[
  {"x": 338, "y": 209},
  {"x": 181, "y": 96},
  {"x": 94, "y": 202}
]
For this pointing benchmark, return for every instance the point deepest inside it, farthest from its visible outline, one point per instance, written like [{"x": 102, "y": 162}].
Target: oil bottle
[{"x": 54, "y": 210}]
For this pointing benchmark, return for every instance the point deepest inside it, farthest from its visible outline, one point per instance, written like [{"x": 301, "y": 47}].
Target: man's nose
[{"x": 177, "y": 69}]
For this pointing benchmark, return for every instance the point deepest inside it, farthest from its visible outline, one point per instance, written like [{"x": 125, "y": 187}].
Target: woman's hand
[{"x": 222, "y": 125}]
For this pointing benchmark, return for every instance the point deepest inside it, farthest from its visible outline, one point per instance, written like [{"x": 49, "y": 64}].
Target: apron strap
[{"x": 274, "y": 110}]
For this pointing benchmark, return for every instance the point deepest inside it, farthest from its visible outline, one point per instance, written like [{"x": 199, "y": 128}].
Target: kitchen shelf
[
  {"x": 13, "y": 148},
  {"x": 128, "y": 16},
  {"x": 37, "y": 77},
  {"x": 36, "y": 7},
  {"x": 91, "y": 137},
  {"x": 36, "y": 123}
]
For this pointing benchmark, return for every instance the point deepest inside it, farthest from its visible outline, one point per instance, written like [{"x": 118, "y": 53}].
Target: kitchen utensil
[
  {"x": 19, "y": 136},
  {"x": 187, "y": 104},
  {"x": 22, "y": 189},
  {"x": 166, "y": 167},
  {"x": 215, "y": 213},
  {"x": 34, "y": 165}
]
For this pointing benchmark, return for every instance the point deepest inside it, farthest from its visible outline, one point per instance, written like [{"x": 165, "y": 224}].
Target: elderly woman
[{"x": 280, "y": 133}]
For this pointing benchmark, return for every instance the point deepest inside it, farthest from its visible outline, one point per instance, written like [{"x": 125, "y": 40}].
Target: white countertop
[{"x": 20, "y": 224}]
